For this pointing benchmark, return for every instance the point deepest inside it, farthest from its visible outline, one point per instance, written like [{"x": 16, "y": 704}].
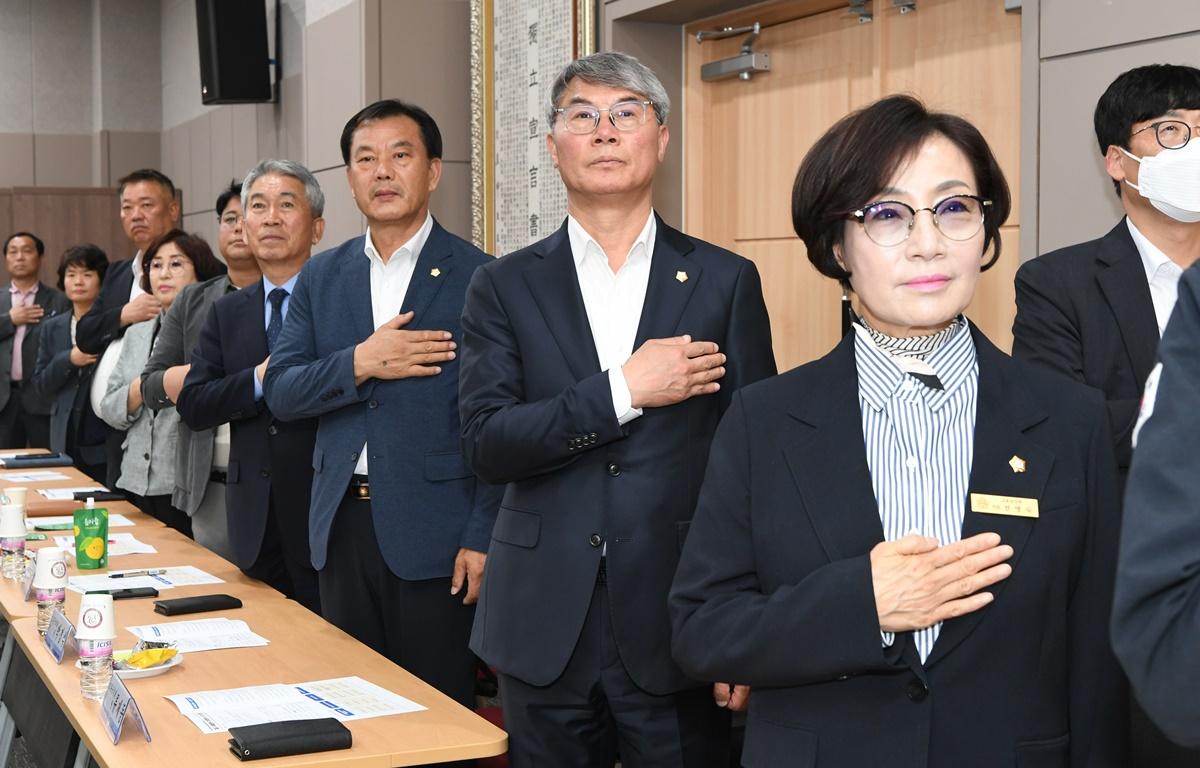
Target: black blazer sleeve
[
  {"x": 726, "y": 628},
  {"x": 212, "y": 395},
  {"x": 1046, "y": 331},
  {"x": 1156, "y": 613},
  {"x": 102, "y": 323}
]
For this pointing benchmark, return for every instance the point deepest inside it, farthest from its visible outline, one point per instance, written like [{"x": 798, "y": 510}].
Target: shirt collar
[
  {"x": 582, "y": 243},
  {"x": 880, "y": 377},
  {"x": 1153, "y": 258},
  {"x": 412, "y": 248},
  {"x": 13, "y": 289},
  {"x": 289, "y": 285}
]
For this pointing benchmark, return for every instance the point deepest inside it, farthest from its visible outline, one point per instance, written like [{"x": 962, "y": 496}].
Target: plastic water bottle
[
  {"x": 12, "y": 556},
  {"x": 95, "y": 660},
  {"x": 48, "y": 601}
]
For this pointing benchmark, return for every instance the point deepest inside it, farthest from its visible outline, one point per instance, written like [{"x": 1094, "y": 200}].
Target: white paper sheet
[
  {"x": 115, "y": 520},
  {"x": 32, "y": 476},
  {"x": 201, "y": 634},
  {"x": 175, "y": 576},
  {"x": 118, "y": 544},
  {"x": 345, "y": 698},
  {"x": 67, "y": 494}
]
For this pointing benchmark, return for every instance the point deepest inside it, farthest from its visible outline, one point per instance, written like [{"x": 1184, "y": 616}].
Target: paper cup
[
  {"x": 96, "y": 620},
  {"x": 12, "y": 521},
  {"x": 50, "y": 573},
  {"x": 15, "y": 495}
]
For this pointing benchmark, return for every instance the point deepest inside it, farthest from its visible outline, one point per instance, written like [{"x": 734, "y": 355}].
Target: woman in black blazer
[
  {"x": 906, "y": 548},
  {"x": 63, "y": 373}
]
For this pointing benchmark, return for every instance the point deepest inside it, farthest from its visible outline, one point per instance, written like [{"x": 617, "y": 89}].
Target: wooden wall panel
[{"x": 63, "y": 217}]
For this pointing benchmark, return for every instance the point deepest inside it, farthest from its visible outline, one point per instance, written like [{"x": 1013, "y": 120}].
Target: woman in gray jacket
[{"x": 176, "y": 260}]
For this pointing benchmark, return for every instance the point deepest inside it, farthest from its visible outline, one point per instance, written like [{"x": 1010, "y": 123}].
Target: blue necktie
[{"x": 276, "y": 298}]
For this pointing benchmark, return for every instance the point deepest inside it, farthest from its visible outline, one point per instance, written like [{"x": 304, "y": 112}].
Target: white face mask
[{"x": 1170, "y": 180}]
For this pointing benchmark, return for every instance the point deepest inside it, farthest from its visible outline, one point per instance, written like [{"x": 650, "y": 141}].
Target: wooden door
[{"x": 744, "y": 140}]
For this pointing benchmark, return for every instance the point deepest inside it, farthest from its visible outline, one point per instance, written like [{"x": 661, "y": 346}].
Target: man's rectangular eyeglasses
[
  {"x": 1171, "y": 134},
  {"x": 625, "y": 116}
]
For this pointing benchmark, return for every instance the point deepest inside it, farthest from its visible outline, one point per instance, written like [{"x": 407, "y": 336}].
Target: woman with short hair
[
  {"x": 175, "y": 261},
  {"x": 906, "y": 548}
]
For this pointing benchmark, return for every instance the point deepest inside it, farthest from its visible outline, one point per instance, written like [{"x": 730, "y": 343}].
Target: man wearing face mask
[{"x": 1096, "y": 311}]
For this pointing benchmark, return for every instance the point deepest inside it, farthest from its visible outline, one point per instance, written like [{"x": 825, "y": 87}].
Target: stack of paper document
[
  {"x": 201, "y": 634},
  {"x": 346, "y": 698},
  {"x": 118, "y": 544}
]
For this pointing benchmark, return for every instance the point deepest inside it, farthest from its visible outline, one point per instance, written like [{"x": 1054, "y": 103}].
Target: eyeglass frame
[
  {"x": 1157, "y": 123},
  {"x": 860, "y": 214},
  {"x": 167, "y": 265},
  {"x": 645, "y": 103}
]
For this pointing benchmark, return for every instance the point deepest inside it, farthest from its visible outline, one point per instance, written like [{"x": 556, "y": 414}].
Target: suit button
[
  {"x": 272, "y": 430},
  {"x": 146, "y": 456},
  {"x": 595, "y": 539},
  {"x": 614, "y": 469},
  {"x": 373, "y": 404},
  {"x": 265, "y": 473},
  {"x": 570, "y": 446},
  {"x": 916, "y": 690}
]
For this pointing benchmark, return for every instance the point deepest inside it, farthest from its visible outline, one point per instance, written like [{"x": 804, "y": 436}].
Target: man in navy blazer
[
  {"x": 399, "y": 524},
  {"x": 269, "y": 471},
  {"x": 596, "y": 364}
]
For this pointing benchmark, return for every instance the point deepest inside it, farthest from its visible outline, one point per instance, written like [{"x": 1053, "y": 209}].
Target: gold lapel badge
[
  {"x": 435, "y": 272},
  {"x": 1017, "y": 464},
  {"x": 681, "y": 276}
]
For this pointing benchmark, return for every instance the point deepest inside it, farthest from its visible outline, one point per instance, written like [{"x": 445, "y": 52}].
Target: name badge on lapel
[{"x": 1014, "y": 506}]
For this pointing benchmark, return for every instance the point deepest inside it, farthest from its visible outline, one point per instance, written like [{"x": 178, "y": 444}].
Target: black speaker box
[{"x": 235, "y": 67}]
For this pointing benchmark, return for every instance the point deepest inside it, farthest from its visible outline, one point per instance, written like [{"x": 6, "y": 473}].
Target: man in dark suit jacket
[
  {"x": 149, "y": 210},
  {"x": 596, "y": 365},
  {"x": 1156, "y": 616},
  {"x": 201, "y": 461},
  {"x": 398, "y": 521},
  {"x": 26, "y": 302},
  {"x": 269, "y": 473},
  {"x": 1096, "y": 311}
]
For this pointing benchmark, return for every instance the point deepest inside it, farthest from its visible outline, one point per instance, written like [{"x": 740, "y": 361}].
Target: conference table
[{"x": 303, "y": 648}]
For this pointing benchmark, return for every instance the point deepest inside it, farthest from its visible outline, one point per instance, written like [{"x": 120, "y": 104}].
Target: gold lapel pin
[
  {"x": 435, "y": 272},
  {"x": 1017, "y": 464},
  {"x": 681, "y": 276}
]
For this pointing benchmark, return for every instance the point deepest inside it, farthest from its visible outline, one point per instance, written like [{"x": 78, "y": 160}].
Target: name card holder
[
  {"x": 118, "y": 701},
  {"x": 27, "y": 579},
  {"x": 59, "y": 634}
]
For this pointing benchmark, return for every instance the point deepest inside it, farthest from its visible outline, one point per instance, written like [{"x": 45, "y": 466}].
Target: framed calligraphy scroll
[{"x": 517, "y": 49}]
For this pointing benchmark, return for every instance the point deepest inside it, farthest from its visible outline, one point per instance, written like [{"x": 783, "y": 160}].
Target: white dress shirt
[
  {"x": 1161, "y": 273},
  {"x": 389, "y": 284},
  {"x": 613, "y": 301},
  {"x": 136, "y": 289}
]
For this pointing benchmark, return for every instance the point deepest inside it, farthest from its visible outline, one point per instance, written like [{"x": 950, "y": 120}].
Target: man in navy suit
[
  {"x": 399, "y": 526},
  {"x": 1096, "y": 311},
  {"x": 596, "y": 364},
  {"x": 269, "y": 472}
]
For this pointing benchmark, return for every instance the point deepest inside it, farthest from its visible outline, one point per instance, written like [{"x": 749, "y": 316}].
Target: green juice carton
[{"x": 91, "y": 537}]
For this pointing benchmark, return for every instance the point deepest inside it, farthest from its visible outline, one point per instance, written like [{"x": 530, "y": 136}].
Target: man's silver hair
[
  {"x": 312, "y": 190},
  {"x": 614, "y": 70}
]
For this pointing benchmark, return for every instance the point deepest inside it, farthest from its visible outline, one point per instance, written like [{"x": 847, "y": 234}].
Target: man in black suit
[
  {"x": 595, "y": 366},
  {"x": 269, "y": 475},
  {"x": 24, "y": 412},
  {"x": 1095, "y": 311},
  {"x": 148, "y": 210}
]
